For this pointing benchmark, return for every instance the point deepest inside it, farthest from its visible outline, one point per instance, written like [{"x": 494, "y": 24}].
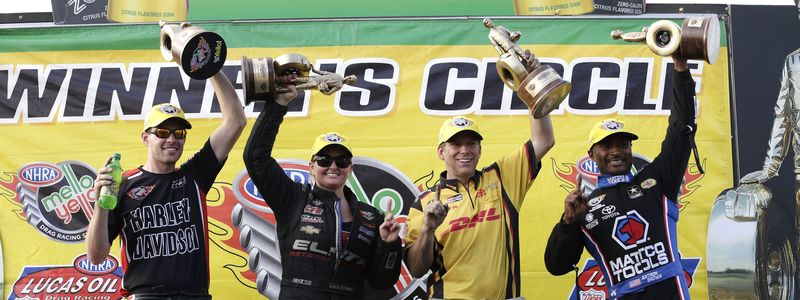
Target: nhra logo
[
  {"x": 58, "y": 199},
  {"x": 246, "y": 192},
  {"x": 630, "y": 230},
  {"x": 333, "y": 138},
  {"x": 169, "y": 109},
  {"x": 591, "y": 285}
]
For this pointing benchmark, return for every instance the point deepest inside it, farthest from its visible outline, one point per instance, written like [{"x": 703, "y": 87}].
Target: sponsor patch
[
  {"x": 313, "y": 210},
  {"x": 367, "y": 215},
  {"x": 140, "y": 192},
  {"x": 366, "y": 231},
  {"x": 630, "y": 230},
  {"x": 310, "y": 229},
  {"x": 592, "y": 224},
  {"x": 648, "y": 183},
  {"x": 78, "y": 280},
  {"x": 455, "y": 198},
  {"x": 634, "y": 192},
  {"x": 589, "y": 217},
  {"x": 311, "y": 219},
  {"x": 592, "y": 295},
  {"x": 596, "y": 200},
  {"x": 609, "y": 209},
  {"x": 179, "y": 183},
  {"x": 301, "y": 281}
]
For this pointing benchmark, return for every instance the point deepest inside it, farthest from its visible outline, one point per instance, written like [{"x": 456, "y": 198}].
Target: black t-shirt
[{"x": 162, "y": 223}]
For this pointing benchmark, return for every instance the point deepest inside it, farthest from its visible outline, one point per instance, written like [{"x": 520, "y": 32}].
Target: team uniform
[
  {"x": 322, "y": 257},
  {"x": 630, "y": 225},
  {"x": 162, "y": 223},
  {"x": 477, "y": 249}
]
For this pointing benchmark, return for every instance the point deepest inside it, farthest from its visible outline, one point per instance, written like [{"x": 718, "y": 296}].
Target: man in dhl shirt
[{"x": 464, "y": 229}]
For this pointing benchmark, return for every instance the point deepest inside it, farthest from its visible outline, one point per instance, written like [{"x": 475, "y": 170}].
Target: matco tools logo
[
  {"x": 591, "y": 285},
  {"x": 58, "y": 199},
  {"x": 630, "y": 230}
]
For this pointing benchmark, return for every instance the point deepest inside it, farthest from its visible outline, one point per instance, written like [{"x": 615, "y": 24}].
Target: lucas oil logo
[
  {"x": 78, "y": 280},
  {"x": 630, "y": 230},
  {"x": 58, "y": 199}
]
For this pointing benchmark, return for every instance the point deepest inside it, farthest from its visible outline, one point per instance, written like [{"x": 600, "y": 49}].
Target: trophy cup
[
  {"x": 200, "y": 53},
  {"x": 259, "y": 77},
  {"x": 541, "y": 89},
  {"x": 697, "y": 38}
]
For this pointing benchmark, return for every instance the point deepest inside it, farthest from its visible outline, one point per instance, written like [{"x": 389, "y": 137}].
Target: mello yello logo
[{"x": 58, "y": 199}]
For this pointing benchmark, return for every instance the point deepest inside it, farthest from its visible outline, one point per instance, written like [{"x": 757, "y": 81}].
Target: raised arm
[
  {"x": 233, "y": 119},
  {"x": 542, "y": 136}
]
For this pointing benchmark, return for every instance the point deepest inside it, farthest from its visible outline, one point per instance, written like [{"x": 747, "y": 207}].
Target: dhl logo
[{"x": 467, "y": 222}]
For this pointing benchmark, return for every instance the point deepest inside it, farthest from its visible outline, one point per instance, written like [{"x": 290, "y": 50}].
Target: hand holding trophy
[
  {"x": 538, "y": 85},
  {"x": 200, "y": 53},
  {"x": 697, "y": 38},
  {"x": 261, "y": 76}
]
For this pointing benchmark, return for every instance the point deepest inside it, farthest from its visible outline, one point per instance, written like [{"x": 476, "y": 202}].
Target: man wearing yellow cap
[
  {"x": 464, "y": 229},
  {"x": 330, "y": 242},
  {"x": 160, "y": 215},
  {"x": 628, "y": 224}
]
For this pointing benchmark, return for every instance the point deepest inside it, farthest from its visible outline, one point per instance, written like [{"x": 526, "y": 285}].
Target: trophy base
[
  {"x": 258, "y": 79},
  {"x": 200, "y": 53},
  {"x": 543, "y": 90},
  {"x": 700, "y": 39}
]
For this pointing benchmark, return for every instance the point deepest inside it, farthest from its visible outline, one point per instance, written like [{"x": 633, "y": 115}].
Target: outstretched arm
[{"x": 233, "y": 119}]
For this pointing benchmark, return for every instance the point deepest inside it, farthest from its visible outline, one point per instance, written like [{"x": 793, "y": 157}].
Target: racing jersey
[
  {"x": 162, "y": 223},
  {"x": 477, "y": 248},
  {"x": 630, "y": 225},
  {"x": 317, "y": 261}
]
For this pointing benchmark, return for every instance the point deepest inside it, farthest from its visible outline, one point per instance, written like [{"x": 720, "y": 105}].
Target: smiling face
[
  {"x": 164, "y": 152},
  {"x": 460, "y": 155},
  {"x": 332, "y": 177},
  {"x": 613, "y": 155}
]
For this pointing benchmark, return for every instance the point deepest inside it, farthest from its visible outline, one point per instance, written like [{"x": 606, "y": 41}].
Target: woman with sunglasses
[{"x": 330, "y": 242}]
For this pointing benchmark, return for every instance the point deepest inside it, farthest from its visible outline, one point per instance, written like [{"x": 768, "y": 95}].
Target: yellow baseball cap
[
  {"x": 457, "y": 124},
  {"x": 608, "y": 127},
  {"x": 331, "y": 138},
  {"x": 162, "y": 112}
]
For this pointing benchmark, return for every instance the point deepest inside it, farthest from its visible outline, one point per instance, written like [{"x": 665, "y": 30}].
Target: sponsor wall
[{"x": 71, "y": 97}]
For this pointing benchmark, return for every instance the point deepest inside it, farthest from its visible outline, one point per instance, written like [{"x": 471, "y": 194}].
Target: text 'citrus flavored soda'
[{"x": 108, "y": 193}]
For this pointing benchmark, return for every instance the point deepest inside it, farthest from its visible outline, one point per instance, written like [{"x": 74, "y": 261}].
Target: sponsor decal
[
  {"x": 316, "y": 202},
  {"x": 630, "y": 230},
  {"x": 58, "y": 199},
  {"x": 592, "y": 295},
  {"x": 313, "y": 210},
  {"x": 638, "y": 262},
  {"x": 634, "y": 192},
  {"x": 461, "y": 122},
  {"x": 609, "y": 210},
  {"x": 612, "y": 125},
  {"x": 591, "y": 278},
  {"x": 201, "y": 55},
  {"x": 648, "y": 183},
  {"x": 367, "y": 215},
  {"x": 456, "y": 198},
  {"x": 140, "y": 192},
  {"x": 311, "y": 219},
  {"x": 248, "y": 195},
  {"x": 589, "y": 217},
  {"x": 467, "y": 222},
  {"x": 596, "y": 200},
  {"x": 308, "y": 229},
  {"x": 481, "y": 192},
  {"x": 179, "y": 183},
  {"x": 333, "y": 138},
  {"x": 302, "y": 281},
  {"x": 617, "y": 179},
  {"x": 366, "y": 231},
  {"x": 79, "y": 280},
  {"x": 592, "y": 224}
]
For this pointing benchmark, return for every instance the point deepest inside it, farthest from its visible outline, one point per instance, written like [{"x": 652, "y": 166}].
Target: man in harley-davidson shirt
[{"x": 629, "y": 223}]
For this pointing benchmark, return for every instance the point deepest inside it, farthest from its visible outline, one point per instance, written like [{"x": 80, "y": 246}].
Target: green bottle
[{"x": 108, "y": 193}]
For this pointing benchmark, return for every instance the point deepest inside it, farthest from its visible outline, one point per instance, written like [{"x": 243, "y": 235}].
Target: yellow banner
[{"x": 392, "y": 118}]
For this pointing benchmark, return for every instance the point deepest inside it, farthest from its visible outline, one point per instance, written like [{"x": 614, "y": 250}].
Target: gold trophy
[
  {"x": 542, "y": 89},
  {"x": 199, "y": 52},
  {"x": 259, "y": 77},
  {"x": 696, "y": 38}
]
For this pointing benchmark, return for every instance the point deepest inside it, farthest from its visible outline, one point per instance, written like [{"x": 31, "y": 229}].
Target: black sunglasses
[
  {"x": 326, "y": 161},
  {"x": 164, "y": 132}
]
